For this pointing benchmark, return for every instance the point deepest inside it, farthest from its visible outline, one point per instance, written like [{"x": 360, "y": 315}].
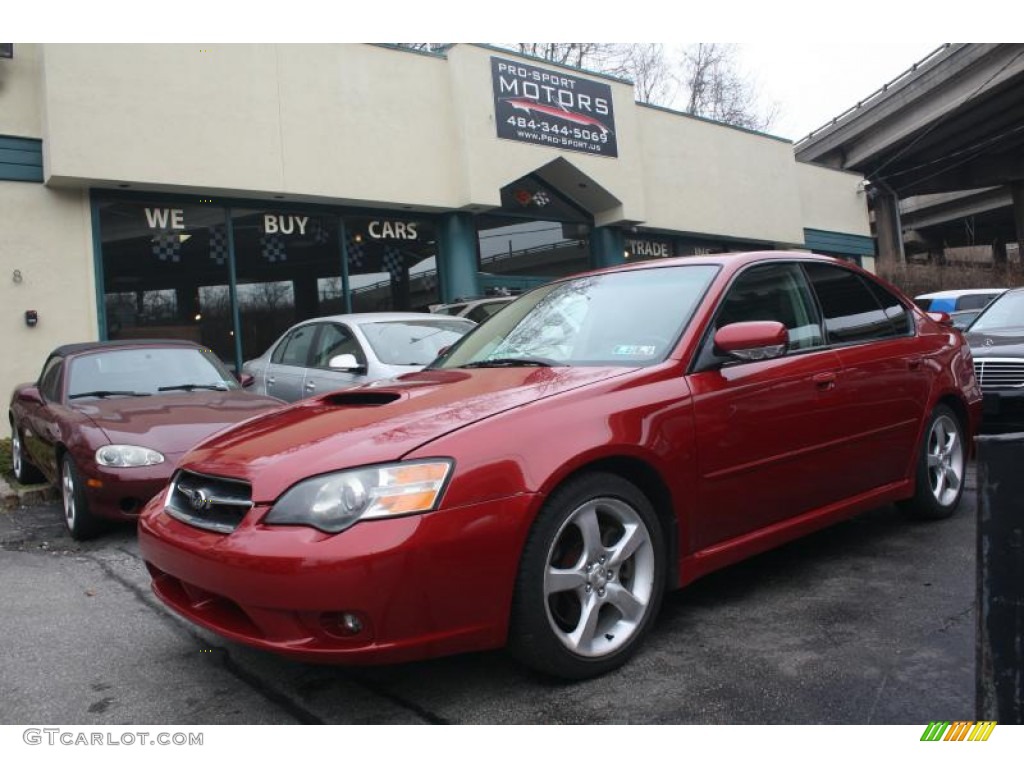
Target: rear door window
[
  {"x": 852, "y": 313},
  {"x": 294, "y": 348}
]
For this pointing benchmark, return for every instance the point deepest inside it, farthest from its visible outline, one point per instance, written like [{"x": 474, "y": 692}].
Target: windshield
[
  {"x": 1005, "y": 312},
  {"x": 413, "y": 342},
  {"x": 618, "y": 318},
  {"x": 146, "y": 371}
]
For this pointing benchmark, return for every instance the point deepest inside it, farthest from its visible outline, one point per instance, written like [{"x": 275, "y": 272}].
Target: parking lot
[{"x": 871, "y": 621}]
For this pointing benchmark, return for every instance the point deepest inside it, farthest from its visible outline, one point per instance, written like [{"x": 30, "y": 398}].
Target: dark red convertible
[{"x": 109, "y": 421}]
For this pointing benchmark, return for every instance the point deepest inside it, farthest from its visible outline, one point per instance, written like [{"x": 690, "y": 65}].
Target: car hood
[
  {"x": 174, "y": 422},
  {"x": 377, "y": 422},
  {"x": 1007, "y": 342}
]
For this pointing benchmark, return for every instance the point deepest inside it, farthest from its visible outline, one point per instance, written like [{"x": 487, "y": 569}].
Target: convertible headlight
[
  {"x": 127, "y": 456},
  {"x": 332, "y": 503}
]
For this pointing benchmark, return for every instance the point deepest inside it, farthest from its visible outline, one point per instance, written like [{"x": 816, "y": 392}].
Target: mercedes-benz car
[
  {"x": 602, "y": 439},
  {"x": 997, "y": 342}
]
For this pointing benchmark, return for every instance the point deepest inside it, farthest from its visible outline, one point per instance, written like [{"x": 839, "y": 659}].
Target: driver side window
[
  {"x": 49, "y": 381},
  {"x": 776, "y": 292}
]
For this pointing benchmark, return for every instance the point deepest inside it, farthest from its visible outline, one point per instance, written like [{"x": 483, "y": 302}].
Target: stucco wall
[
  {"x": 703, "y": 177},
  {"x": 45, "y": 235},
  {"x": 20, "y": 93},
  {"x": 832, "y": 200}
]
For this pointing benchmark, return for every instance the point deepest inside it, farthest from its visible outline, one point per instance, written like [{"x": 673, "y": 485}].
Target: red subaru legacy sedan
[
  {"x": 108, "y": 421},
  {"x": 602, "y": 439}
]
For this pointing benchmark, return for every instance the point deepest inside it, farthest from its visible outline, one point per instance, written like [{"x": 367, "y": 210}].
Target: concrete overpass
[{"x": 942, "y": 149}]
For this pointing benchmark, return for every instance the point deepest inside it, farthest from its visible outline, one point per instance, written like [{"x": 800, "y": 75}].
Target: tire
[
  {"x": 588, "y": 616},
  {"x": 24, "y": 472},
  {"x": 941, "y": 468},
  {"x": 79, "y": 521}
]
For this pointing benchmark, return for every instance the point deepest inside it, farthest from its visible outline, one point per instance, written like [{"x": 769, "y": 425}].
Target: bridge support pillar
[
  {"x": 888, "y": 230},
  {"x": 1017, "y": 188}
]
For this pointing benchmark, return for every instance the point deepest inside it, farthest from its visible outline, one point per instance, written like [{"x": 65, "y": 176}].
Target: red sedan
[
  {"x": 600, "y": 440},
  {"x": 108, "y": 421}
]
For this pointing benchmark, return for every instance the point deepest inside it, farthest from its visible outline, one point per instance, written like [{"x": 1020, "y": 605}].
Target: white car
[
  {"x": 957, "y": 300},
  {"x": 476, "y": 310},
  {"x": 329, "y": 353}
]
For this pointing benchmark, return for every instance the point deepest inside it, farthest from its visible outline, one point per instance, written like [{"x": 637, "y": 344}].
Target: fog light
[{"x": 351, "y": 624}]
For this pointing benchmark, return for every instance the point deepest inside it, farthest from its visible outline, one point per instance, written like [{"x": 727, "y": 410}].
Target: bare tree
[
  {"x": 715, "y": 89},
  {"x": 703, "y": 79}
]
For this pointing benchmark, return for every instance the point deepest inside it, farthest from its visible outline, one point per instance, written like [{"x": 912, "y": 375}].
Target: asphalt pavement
[{"x": 871, "y": 621}]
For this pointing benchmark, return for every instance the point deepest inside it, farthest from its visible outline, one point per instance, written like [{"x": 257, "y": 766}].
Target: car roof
[
  {"x": 358, "y": 318},
  {"x": 67, "y": 350},
  {"x": 954, "y": 294}
]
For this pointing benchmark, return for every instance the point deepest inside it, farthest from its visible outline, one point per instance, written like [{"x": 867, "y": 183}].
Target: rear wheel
[
  {"x": 941, "y": 468},
  {"x": 590, "y": 580},
  {"x": 80, "y": 522},
  {"x": 24, "y": 472}
]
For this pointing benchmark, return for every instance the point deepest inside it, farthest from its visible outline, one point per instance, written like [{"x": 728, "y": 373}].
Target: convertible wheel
[
  {"x": 941, "y": 468},
  {"x": 24, "y": 472},
  {"x": 81, "y": 524},
  {"x": 590, "y": 580}
]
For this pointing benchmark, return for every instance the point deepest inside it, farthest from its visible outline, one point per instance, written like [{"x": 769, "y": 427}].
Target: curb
[{"x": 13, "y": 494}]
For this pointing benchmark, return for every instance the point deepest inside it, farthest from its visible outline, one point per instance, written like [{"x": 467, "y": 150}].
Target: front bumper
[
  {"x": 121, "y": 494},
  {"x": 420, "y": 586},
  {"x": 1002, "y": 411}
]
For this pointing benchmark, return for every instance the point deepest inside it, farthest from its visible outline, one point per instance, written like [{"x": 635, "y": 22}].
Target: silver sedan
[{"x": 328, "y": 353}]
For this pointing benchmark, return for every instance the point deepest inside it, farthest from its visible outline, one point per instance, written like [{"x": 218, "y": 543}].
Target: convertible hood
[
  {"x": 374, "y": 423},
  {"x": 174, "y": 422}
]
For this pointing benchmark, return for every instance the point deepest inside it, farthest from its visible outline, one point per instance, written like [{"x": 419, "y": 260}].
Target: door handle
[
  {"x": 270, "y": 379},
  {"x": 914, "y": 363},
  {"x": 825, "y": 380},
  {"x": 310, "y": 385}
]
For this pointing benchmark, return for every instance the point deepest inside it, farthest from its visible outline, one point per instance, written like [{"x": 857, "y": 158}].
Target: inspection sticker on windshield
[{"x": 635, "y": 350}]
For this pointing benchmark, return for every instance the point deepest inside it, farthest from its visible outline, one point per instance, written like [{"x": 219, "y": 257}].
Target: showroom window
[
  {"x": 392, "y": 264},
  {"x": 165, "y": 273}
]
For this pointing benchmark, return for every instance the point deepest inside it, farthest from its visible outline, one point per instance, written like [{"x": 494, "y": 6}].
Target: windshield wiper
[
  {"x": 108, "y": 393},
  {"x": 191, "y": 387},
  {"x": 512, "y": 362}
]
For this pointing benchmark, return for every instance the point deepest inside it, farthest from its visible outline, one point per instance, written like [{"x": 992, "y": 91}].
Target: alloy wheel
[
  {"x": 68, "y": 494},
  {"x": 600, "y": 577},
  {"x": 945, "y": 459},
  {"x": 16, "y": 452}
]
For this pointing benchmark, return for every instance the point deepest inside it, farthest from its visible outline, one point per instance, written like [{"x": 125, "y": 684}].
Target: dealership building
[{"x": 221, "y": 194}]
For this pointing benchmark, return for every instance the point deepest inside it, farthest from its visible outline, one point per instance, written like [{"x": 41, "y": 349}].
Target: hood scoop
[{"x": 360, "y": 399}]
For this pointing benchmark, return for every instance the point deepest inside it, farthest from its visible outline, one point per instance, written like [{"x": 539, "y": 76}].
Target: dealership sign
[{"x": 541, "y": 106}]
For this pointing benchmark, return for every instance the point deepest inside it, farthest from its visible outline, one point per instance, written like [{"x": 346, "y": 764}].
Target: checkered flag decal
[
  {"x": 218, "y": 245},
  {"x": 167, "y": 246},
  {"x": 321, "y": 234},
  {"x": 356, "y": 252},
  {"x": 272, "y": 248},
  {"x": 392, "y": 262}
]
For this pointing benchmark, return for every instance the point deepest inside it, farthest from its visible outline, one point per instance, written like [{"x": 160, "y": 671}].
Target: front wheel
[
  {"x": 941, "y": 468},
  {"x": 79, "y": 521},
  {"x": 590, "y": 580}
]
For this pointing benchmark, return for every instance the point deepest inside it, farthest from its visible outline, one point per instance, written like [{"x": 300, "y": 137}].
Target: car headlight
[
  {"x": 331, "y": 503},
  {"x": 127, "y": 456}
]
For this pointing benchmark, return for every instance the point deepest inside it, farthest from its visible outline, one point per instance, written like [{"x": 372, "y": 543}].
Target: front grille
[
  {"x": 214, "y": 503},
  {"x": 998, "y": 372}
]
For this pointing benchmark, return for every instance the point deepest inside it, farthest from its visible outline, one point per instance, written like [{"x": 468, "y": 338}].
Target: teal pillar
[
  {"x": 457, "y": 257},
  {"x": 607, "y": 247}
]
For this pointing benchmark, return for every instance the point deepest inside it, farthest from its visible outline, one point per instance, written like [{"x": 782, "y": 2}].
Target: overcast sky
[{"x": 814, "y": 82}]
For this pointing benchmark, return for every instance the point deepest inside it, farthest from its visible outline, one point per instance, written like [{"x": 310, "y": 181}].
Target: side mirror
[
  {"x": 31, "y": 395},
  {"x": 759, "y": 340},
  {"x": 344, "y": 363},
  {"x": 941, "y": 318},
  {"x": 246, "y": 380}
]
